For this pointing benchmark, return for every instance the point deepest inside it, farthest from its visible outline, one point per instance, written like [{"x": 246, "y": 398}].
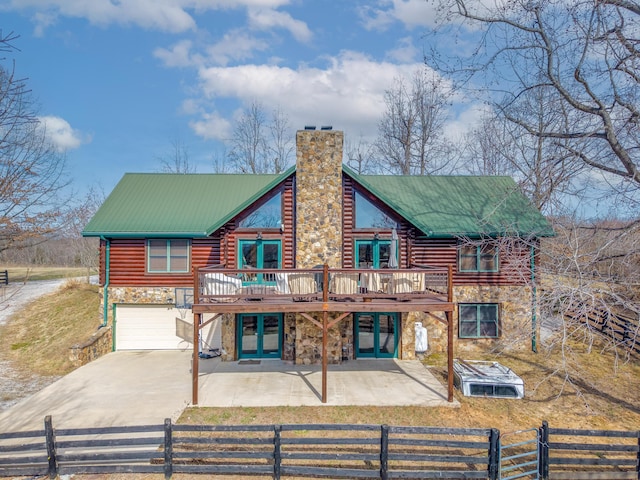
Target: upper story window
[
  {"x": 373, "y": 253},
  {"x": 267, "y": 215},
  {"x": 369, "y": 216},
  {"x": 478, "y": 258},
  {"x": 168, "y": 256}
]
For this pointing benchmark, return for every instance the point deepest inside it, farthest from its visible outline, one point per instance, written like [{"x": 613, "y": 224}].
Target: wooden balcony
[{"x": 420, "y": 288}]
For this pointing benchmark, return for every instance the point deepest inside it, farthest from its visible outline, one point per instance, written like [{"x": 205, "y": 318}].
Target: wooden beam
[
  {"x": 339, "y": 319},
  {"x": 218, "y": 315},
  {"x": 195, "y": 367},
  {"x": 450, "y": 355},
  {"x": 325, "y": 334},
  {"x": 311, "y": 319}
]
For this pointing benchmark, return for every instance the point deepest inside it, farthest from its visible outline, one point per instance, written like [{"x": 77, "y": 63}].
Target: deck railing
[{"x": 219, "y": 284}]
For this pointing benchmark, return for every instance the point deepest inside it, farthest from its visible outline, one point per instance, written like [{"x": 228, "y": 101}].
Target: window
[
  {"x": 370, "y": 216},
  {"x": 167, "y": 256},
  {"x": 478, "y": 258},
  {"x": 478, "y": 320},
  {"x": 490, "y": 390},
  {"x": 373, "y": 253},
  {"x": 267, "y": 215},
  {"x": 258, "y": 254}
]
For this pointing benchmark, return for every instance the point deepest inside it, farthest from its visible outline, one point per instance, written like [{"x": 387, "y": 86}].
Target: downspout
[
  {"x": 534, "y": 302},
  {"x": 105, "y": 289}
]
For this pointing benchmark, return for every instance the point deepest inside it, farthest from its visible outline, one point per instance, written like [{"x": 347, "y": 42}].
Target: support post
[
  {"x": 325, "y": 328},
  {"x": 449, "y": 316},
  {"x": 195, "y": 366},
  {"x": 277, "y": 454},
  {"x": 543, "y": 451},
  {"x": 384, "y": 452},
  {"x": 494, "y": 454},
  {"x": 168, "y": 448},
  {"x": 50, "y": 440}
]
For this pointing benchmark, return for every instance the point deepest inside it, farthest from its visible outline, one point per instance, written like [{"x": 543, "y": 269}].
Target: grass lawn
[{"x": 578, "y": 387}]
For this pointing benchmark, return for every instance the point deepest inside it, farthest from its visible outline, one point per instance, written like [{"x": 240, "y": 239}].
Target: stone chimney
[{"x": 319, "y": 198}]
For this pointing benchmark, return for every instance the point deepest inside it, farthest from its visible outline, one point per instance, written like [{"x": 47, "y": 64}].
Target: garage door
[{"x": 159, "y": 327}]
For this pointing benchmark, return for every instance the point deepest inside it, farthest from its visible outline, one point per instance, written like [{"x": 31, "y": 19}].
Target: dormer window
[
  {"x": 267, "y": 215},
  {"x": 369, "y": 216}
]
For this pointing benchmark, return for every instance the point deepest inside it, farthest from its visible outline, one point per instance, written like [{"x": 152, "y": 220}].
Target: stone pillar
[{"x": 319, "y": 198}]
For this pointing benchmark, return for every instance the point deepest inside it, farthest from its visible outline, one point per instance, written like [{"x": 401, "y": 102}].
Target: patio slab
[{"x": 268, "y": 383}]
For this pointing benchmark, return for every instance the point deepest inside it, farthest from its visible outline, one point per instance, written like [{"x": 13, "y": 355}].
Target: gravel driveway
[{"x": 14, "y": 385}]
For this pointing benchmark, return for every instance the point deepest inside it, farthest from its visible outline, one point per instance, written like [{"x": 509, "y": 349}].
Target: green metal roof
[
  {"x": 445, "y": 206},
  {"x": 178, "y": 205},
  {"x": 196, "y": 205}
]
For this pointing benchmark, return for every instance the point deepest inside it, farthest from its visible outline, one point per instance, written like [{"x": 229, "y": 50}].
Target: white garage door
[{"x": 160, "y": 327}]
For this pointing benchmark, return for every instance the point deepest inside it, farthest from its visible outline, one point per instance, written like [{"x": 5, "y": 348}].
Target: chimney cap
[
  {"x": 326, "y": 127},
  {"x": 309, "y": 127}
]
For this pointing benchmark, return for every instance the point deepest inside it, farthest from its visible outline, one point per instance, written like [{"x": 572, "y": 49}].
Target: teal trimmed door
[
  {"x": 376, "y": 335},
  {"x": 260, "y": 335}
]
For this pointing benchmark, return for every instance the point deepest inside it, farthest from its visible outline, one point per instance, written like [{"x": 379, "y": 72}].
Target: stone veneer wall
[
  {"x": 515, "y": 320},
  {"x": 318, "y": 240},
  {"x": 141, "y": 295},
  {"x": 319, "y": 198},
  {"x": 99, "y": 344}
]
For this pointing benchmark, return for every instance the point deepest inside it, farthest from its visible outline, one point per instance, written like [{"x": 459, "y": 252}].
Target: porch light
[{"x": 259, "y": 236}]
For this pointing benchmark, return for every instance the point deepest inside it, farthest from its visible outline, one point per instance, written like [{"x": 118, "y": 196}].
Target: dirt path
[{"x": 16, "y": 384}]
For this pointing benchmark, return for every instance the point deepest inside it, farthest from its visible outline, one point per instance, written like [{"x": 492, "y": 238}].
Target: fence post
[
  {"x": 543, "y": 451},
  {"x": 277, "y": 454},
  {"x": 50, "y": 440},
  {"x": 494, "y": 454},
  {"x": 638, "y": 457},
  {"x": 384, "y": 452},
  {"x": 168, "y": 448}
]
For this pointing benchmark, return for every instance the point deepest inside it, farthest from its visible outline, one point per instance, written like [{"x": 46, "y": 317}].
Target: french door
[
  {"x": 260, "y": 335},
  {"x": 376, "y": 335}
]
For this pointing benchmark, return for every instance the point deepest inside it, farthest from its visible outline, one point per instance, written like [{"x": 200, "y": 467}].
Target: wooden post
[
  {"x": 195, "y": 366},
  {"x": 168, "y": 448},
  {"x": 325, "y": 328},
  {"x": 277, "y": 454},
  {"x": 50, "y": 439},
  {"x": 449, "y": 316},
  {"x": 384, "y": 452},
  {"x": 494, "y": 454},
  {"x": 543, "y": 451}
]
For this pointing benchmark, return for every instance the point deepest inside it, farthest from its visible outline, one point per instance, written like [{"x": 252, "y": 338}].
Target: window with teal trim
[
  {"x": 258, "y": 253},
  {"x": 167, "y": 256},
  {"x": 478, "y": 320},
  {"x": 478, "y": 258},
  {"x": 373, "y": 253}
]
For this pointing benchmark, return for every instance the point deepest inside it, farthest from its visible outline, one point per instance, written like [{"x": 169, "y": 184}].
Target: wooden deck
[
  {"x": 221, "y": 290},
  {"x": 419, "y": 289}
]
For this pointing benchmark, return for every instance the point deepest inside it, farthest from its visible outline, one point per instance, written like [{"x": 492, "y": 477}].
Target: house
[{"x": 318, "y": 263}]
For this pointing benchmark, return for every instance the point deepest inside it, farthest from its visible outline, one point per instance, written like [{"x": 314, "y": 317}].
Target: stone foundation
[
  {"x": 515, "y": 320},
  {"x": 98, "y": 345},
  {"x": 140, "y": 295}
]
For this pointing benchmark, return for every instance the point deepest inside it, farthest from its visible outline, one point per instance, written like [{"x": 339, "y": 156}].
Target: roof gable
[
  {"x": 446, "y": 206},
  {"x": 184, "y": 205}
]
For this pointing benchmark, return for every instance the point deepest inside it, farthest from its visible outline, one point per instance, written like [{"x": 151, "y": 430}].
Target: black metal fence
[
  {"x": 4, "y": 277},
  {"x": 315, "y": 451}
]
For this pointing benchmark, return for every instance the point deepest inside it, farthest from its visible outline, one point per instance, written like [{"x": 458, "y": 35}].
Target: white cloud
[
  {"x": 348, "y": 93},
  {"x": 267, "y": 19},
  {"x": 412, "y": 13},
  {"x": 235, "y": 45},
  {"x": 405, "y": 52},
  {"x": 60, "y": 134},
  {"x": 212, "y": 126},
  {"x": 465, "y": 121},
  {"x": 179, "y": 55},
  {"x": 165, "y": 15}
]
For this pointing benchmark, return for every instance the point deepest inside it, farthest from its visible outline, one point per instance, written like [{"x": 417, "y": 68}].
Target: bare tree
[
  {"x": 410, "y": 133},
  {"x": 260, "y": 144},
  {"x": 545, "y": 171},
  {"x": 360, "y": 156},
  {"x": 177, "y": 159},
  {"x": 32, "y": 173},
  {"x": 583, "y": 55}
]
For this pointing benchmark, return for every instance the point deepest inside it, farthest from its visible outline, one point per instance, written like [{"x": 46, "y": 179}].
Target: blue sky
[{"x": 118, "y": 82}]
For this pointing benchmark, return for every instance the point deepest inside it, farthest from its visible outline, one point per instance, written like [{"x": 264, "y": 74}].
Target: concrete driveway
[{"x": 138, "y": 388}]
